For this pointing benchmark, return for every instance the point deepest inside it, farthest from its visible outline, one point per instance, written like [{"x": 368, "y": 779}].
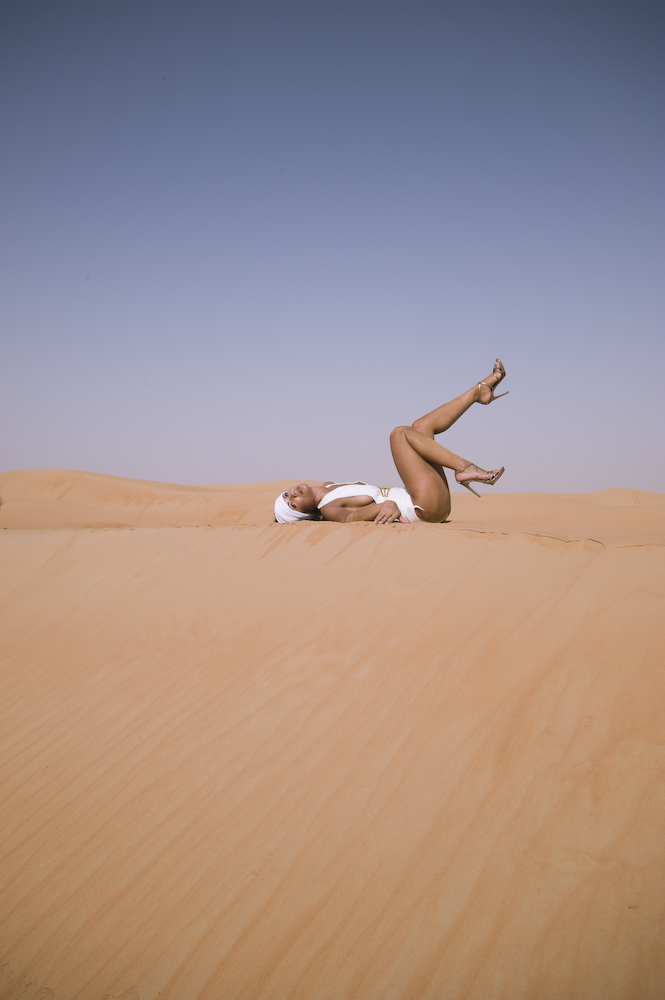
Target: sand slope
[
  {"x": 58, "y": 498},
  {"x": 327, "y": 761}
]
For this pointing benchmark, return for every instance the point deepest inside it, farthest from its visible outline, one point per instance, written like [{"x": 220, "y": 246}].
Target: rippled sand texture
[{"x": 329, "y": 762}]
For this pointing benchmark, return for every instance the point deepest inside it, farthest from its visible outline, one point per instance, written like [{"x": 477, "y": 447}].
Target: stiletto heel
[
  {"x": 487, "y": 478},
  {"x": 493, "y": 387}
]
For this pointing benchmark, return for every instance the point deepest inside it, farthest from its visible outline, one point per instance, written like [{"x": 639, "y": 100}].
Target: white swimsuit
[{"x": 378, "y": 494}]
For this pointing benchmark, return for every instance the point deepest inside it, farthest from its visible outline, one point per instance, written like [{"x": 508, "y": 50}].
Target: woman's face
[{"x": 300, "y": 498}]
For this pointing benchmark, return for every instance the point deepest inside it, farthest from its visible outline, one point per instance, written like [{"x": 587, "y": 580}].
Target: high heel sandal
[
  {"x": 491, "y": 479},
  {"x": 493, "y": 387}
]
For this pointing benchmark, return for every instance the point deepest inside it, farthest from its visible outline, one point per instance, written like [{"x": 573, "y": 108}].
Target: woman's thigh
[{"x": 425, "y": 481}]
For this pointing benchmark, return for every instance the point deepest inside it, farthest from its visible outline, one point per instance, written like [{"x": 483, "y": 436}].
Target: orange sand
[{"x": 250, "y": 761}]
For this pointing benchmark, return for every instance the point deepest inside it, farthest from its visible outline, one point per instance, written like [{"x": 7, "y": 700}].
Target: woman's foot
[
  {"x": 488, "y": 385},
  {"x": 473, "y": 474}
]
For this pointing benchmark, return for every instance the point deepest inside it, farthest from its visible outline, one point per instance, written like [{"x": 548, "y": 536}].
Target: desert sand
[{"x": 250, "y": 761}]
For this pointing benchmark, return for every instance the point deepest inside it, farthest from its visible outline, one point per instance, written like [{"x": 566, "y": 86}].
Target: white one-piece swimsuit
[{"x": 379, "y": 494}]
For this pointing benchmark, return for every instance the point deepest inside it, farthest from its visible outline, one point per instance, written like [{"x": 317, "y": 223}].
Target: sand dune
[
  {"x": 251, "y": 761},
  {"x": 66, "y": 499}
]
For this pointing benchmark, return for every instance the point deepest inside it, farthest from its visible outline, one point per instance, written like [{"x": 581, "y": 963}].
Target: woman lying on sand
[{"x": 420, "y": 462}]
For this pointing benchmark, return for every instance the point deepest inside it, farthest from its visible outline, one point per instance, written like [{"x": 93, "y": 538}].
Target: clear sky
[{"x": 242, "y": 241}]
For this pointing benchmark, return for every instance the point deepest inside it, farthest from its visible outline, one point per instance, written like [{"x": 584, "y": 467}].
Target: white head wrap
[{"x": 284, "y": 513}]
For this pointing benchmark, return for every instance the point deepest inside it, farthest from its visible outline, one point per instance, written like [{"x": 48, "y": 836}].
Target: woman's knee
[
  {"x": 422, "y": 425},
  {"x": 399, "y": 432}
]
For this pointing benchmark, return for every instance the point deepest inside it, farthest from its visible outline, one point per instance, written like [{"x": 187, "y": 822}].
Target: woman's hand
[
  {"x": 379, "y": 513},
  {"x": 389, "y": 512}
]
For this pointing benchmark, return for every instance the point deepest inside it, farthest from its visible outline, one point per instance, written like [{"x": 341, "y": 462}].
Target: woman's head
[{"x": 298, "y": 503}]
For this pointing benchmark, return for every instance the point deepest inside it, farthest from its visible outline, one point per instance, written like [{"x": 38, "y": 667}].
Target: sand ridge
[
  {"x": 326, "y": 761},
  {"x": 62, "y": 499}
]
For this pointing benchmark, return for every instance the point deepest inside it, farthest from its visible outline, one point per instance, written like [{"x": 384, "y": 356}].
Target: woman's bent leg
[{"x": 420, "y": 459}]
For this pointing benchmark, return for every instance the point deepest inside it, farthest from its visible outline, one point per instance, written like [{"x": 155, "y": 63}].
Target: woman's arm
[{"x": 380, "y": 513}]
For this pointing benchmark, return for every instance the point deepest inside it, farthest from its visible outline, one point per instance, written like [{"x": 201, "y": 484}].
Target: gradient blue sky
[{"x": 242, "y": 241}]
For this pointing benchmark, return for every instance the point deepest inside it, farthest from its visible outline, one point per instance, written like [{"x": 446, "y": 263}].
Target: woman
[{"x": 420, "y": 462}]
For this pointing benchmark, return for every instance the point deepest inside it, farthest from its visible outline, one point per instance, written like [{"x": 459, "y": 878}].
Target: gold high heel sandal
[
  {"x": 492, "y": 477},
  {"x": 493, "y": 387}
]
